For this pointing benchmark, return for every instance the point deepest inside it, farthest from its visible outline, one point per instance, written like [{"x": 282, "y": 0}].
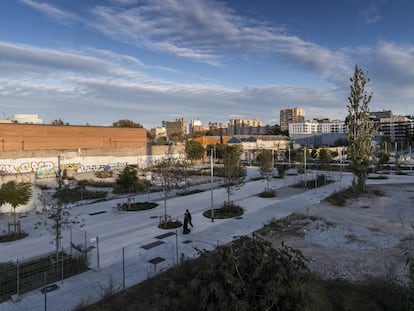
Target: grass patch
[
  {"x": 319, "y": 181},
  {"x": 94, "y": 183},
  {"x": 172, "y": 224},
  {"x": 13, "y": 237},
  {"x": 189, "y": 192},
  {"x": 378, "y": 177},
  {"x": 340, "y": 295},
  {"x": 268, "y": 193},
  {"x": 71, "y": 195},
  {"x": 225, "y": 212},
  {"x": 340, "y": 198},
  {"x": 31, "y": 273},
  {"x": 138, "y": 206}
]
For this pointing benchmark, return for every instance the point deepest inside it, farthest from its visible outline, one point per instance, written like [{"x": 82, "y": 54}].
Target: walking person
[
  {"x": 189, "y": 218},
  {"x": 185, "y": 225}
]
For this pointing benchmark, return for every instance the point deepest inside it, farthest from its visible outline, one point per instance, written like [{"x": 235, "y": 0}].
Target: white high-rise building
[{"x": 318, "y": 127}]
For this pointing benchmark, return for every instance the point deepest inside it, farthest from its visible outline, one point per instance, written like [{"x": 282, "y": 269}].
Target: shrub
[
  {"x": 104, "y": 174},
  {"x": 268, "y": 193},
  {"x": 71, "y": 195}
]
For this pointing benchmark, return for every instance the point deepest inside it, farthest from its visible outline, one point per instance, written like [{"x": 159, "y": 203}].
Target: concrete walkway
[{"x": 148, "y": 250}]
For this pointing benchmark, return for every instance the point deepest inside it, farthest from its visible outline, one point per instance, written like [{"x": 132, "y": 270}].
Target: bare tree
[
  {"x": 169, "y": 172},
  {"x": 55, "y": 219},
  {"x": 361, "y": 130}
]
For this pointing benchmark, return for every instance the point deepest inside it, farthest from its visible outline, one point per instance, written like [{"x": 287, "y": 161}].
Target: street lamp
[
  {"x": 212, "y": 182},
  {"x": 304, "y": 161}
]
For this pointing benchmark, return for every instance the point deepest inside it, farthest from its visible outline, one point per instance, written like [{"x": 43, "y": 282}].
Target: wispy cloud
[
  {"x": 207, "y": 32},
  {"x": 203, "y": 31},
  {"x": 370, "y": 14},
  {"x": 53, "y": 12}
]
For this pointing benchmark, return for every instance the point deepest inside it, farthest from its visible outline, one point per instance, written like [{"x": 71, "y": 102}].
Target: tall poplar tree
[{"x": 360, "y": 129}]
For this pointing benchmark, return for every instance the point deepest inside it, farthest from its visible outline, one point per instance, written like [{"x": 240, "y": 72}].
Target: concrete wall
[{"x": 44, "y": 164}]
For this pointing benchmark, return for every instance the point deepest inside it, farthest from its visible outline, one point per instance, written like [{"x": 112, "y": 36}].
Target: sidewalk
[{"x": 145, "y": 244}]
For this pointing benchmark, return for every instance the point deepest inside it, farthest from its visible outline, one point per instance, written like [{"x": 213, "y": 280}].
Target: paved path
[{"x": 130, "y": 231}]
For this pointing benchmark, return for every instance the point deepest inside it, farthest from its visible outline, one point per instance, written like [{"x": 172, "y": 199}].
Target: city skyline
[{"x": 98, "y": 62}]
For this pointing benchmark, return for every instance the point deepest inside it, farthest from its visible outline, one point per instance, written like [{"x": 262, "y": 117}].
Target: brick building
[{"x": 14, "y": 137}]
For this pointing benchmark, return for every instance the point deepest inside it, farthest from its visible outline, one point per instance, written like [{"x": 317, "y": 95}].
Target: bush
[
  {"x": 13, "y": 236},
  {"x": 247, "y": 274},
  {"x": 71, "y": 195},
  {"x": 104, "y": 174},
  {"x": 137, "y": 187},
  {"x": 93, "y": 183}
]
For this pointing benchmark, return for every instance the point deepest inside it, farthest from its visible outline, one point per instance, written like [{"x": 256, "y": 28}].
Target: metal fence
[
  {"x": 122, "y": 266},
  {"x": 18, "y": 277}
]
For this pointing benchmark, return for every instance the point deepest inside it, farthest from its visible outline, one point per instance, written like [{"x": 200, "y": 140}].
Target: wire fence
[
  {"x": 18, "y": 277},
  {"x": 122, "y": 265}
]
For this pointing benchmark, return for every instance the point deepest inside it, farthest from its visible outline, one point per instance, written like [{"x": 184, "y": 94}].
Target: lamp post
[
  {"x": 304, "y": 161},
  {"x": 212, "y": 182}
]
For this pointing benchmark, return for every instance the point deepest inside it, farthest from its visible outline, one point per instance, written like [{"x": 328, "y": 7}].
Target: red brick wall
[{"x": 44, "y": 137}]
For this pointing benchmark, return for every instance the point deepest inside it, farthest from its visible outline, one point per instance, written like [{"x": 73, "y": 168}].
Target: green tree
[
  {"x": 126, "y": 123},
  {"x": 360, "y": 130},
  {"x": 169, "y": 172},
  {"x": 15, "y": 194},
  {"x": 59, "y": 122},
  {"x": 128, "y": 179},
  {"x": 325, "y": 157},
  {"x": 194, "y": 150},
  {"x": 232, "y": 170},
  {"x": 266, "y": 165}
]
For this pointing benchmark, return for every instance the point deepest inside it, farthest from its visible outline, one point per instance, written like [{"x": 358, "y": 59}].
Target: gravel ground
[{"x": 365, "y": 239}]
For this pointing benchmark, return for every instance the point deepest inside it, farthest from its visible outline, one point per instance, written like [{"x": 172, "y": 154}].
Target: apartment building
[
  {"x": 316, "y": 126},
  {"x": 176, "y": 127},
  {"x": 397, "y": 128},
  {"x": 243, "y": 126},
  {"x": 291, "y": 115}
]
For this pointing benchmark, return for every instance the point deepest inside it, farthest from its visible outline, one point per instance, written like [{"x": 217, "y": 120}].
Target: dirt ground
[{"x": 362, "y": 240}]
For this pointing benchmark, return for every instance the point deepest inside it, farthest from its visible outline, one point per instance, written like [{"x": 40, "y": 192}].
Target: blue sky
[{"x": 151, "y": 60}]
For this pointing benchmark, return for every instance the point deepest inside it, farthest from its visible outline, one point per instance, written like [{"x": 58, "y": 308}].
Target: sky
[{"x": 96, "y": 62}]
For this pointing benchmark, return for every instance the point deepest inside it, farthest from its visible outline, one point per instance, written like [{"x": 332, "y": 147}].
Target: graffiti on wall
[
  {"x": 48, "y": 169},
  {"x": 27, "y": 167},
  {"x": 98, "y": 167}
]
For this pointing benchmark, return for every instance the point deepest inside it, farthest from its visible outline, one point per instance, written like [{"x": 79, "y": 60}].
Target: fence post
[
  {"x": 97, "y": 252},
  {"x": 123, "y": 268},
  {"x": 18, "y": 278},
  {"x": 176, "y": 244},
  {"x": 63, "y": 258},
  {"x": 45, "y": 288},
  {"x": 70, "y": 230}
]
